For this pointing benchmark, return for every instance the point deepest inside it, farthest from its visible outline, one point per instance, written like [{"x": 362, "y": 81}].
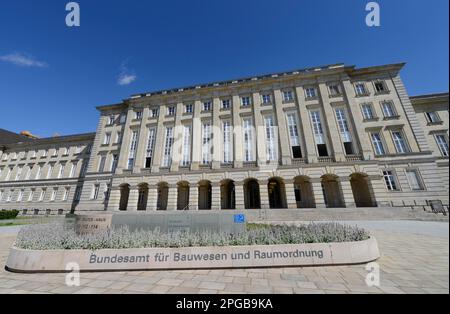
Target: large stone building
[{"x": 332, "y": 136}]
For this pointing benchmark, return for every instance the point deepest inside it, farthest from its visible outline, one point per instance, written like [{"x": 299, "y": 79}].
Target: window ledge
[
  {"x": 336, "y": 95},
  {"x": 371, "y": 120},
  {"x": 383, "y": 92},
  {"x": 391, "y": 118},
  {"x": 311, "y": 98},
  {"x": 435, "y": 123},
  {"x": 363, "y": 95}
]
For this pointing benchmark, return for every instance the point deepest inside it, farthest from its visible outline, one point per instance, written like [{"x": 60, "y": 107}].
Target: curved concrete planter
[{"x": 316, "y": 254}]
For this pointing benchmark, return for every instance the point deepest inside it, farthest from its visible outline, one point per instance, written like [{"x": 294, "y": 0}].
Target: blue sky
[{"x": 52, "y": 77}]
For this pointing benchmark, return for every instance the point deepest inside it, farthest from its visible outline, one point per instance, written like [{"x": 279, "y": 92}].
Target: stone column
[
  {"x": 196, "y": 142},
  {"x": 215, "y": 196},
  {"x": 347, "y": 192},
  {"x": 172, "y": 198},
  {"x": 329, "y": 123},
  {"x": 152, "y": 198},
  {"x": 264, "y": 193},
  {"x": 125, "y": 145},
  {"x": 290, "y": 194},
  {"x": 239, "y": 195},
  {"x": 237, "y": 132},
  {"x": 260, "y": 132},
  {"x": 114, "y": 199},
  {"x": 305, "y": 127},
  {"x": 318, "y": 193},
  {"x": 142, "y": 142},
  {"x": 193, "y": 196},
  {"x": 356, "y": 117},
  {"x": 283, "y": 134},
  {"x": 133, "y": 199},
  {"x": 217, "y": 138},
  {"x": 178, "y": 139},
  {"x": 159, "y": 145}
]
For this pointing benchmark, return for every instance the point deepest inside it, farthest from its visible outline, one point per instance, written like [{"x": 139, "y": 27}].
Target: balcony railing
[
  {"x": 326, "y": 159},
  {"x": 250, "y": 164},
  {"x": 298, "y": 161},
  {"x": 353, "y": 158}
]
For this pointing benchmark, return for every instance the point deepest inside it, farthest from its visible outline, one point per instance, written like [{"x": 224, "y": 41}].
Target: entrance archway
[
  {"x": 332, "y": 192},
  {"x": 142, "y": 196},
  {"x": 204, "y": 195},
  {"x": 183, "y": 195},
  {"x": 163, "y": 196},
  {"x": 277, "y": 193},
  {"x": 362, "y": 190},
  {"x": 227, "y": 195},
  {"x": 304, "y": 194},
  {"x": 252, "y": 197},
  {"x": 124, "y": 195}
]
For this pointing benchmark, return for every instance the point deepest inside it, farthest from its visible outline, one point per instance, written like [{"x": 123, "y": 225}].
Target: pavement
[{"x": 415, "y": 259}]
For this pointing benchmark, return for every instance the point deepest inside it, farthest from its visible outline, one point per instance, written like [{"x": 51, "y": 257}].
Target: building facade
[{"x": 333, "y": 136}]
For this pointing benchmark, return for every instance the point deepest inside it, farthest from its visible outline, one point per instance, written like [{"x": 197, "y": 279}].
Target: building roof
[
  {"x": 430, "y": 98},
  {"x": 52, "y": 141},
  {"x": 8, "y": 137}
]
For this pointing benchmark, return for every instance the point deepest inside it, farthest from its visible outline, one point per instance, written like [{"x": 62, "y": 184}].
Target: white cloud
[
  {"x": 126, "y": 77},
  {"x": 23, "y": 60}
]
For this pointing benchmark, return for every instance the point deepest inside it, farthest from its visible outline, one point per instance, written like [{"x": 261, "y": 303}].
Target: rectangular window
[
  {"x": 186, "y": 145},
  {"x": 118, "y": 137},
  {"x": 377, "y": 144},
  {"x": 84, "y": 166},
  {"x": 30, "y": 196},
  {"x": 380, "y": 87},
  {"x": 206, "y": 143},
  {"x": 107, "y": 139},
  {"x": 288, "y": 96},
  {"x": 367, "y": 111},
  {"x": 55, "y": 152},
  {"x": 115, "y": 160},
  {"x": 442, "y": 142},
  {"x": 150, "y": 147},
  {"x": 65, "y": 151},
  {"x": 248, "y": 140},
  {"x": 49, "y": 171},
  {"x": 400, "y": 144},
  {"x": 111, "y": 120},
  {"x": 345, "y": 131},
  {"x": 361, "y": 89},
  {"x": 14, "y": 156},
  {"x": 294, "y": 135},
  {"x": 44, "y": 153},
  {"x": 227, "y": 145},
  {"x": 154, "y": 113},
  {"x": 101, "y": 165},
  {"x": 19, "y": 173},
  {"x": 123, "y": 118},
  {"x": 167, "y": 161},
  {"x": 226, "y": 104},
  {"x": 414, "y": 180},
  {"x": 271, "y": 142},
  {"x": 245, "y": 101},
  {"x": 32, "y": 154},
  {"x": 20, "y": 196},
  {"x": 188, "y": 108},
  {"x": 133, "y": 147},
  {"x": 73, "y": 167},
  {"x": 42, "y": 195},
  {"x": 9, "y": 196},
  {"x": 78, "y": 149},
  {"x": 8, "y": 174},
  {"x": 53, "y": 196},
  {"x": 335, "y": 89},
  {"x": 5, "y": 156},
  {"x": 66, "y": 194},
  {"x": 317, "y": 128},
  {"x": 310, "y": 92},
  {"x": 38, "y": 172},
  {"x": 95, "y": 190},
  {"x": 61, "y": 171},
  {"x": 388, "y": 109},
  {"x": 266, "y": 98},
  {"x": 138, "y": 115},
  {"x": 207, "y": 106},
  {"x": 432, "y": 117},
  {"x": 389, "y": 179},
  {"x": 171, "y": 111}
]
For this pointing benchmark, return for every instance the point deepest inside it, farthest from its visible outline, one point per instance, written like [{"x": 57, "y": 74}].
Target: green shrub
[
  {"x": 55, "y": 236},
  {"x": 8, "y": 214}
]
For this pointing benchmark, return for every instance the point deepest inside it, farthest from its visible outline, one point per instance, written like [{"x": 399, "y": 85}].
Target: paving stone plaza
[{"x": 415, "y": 259}]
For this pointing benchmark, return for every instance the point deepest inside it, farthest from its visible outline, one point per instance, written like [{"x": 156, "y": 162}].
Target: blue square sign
[{"x": 239, "y": 218}]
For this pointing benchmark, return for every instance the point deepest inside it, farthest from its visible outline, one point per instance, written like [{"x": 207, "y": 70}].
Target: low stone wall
[{"x": 318, "y": 254}]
